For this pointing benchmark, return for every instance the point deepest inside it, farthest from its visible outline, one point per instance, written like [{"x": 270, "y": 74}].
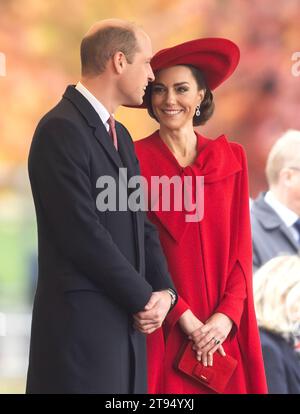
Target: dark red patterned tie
[{"x": 112, "y": 131}]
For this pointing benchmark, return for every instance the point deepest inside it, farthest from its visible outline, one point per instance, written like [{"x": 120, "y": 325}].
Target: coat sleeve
[
  {"x": 174, "y": 315},
  {"x": 242, "y": 251},
  {"x": 59, "y": 175},
  {"x": 235, "y": 294},
  {"x": 156, "y": 265},
  {"x": 232, "y": 303}
]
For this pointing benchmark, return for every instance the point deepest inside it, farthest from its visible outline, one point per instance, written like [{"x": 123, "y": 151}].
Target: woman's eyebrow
[
  {"x": 181, "y": 83},
  {"x": 175, "y": 84}
]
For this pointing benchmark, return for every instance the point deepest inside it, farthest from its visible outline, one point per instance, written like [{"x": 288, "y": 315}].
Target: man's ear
[
  {"x": 119, "y": 62},
  {"x": 285, "y": 176}
]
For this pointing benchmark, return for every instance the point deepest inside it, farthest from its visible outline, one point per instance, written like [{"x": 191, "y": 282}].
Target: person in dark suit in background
[
  {"x": 102, "y": 273},
  {"x": 275, "y": 215},
  {"x": 277, "y": 304}
]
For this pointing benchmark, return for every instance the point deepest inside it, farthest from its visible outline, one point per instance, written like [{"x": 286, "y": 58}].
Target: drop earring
[{"x": 198, "y": 110}]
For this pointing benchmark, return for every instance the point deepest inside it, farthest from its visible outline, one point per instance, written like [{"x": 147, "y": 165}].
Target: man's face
[
  {"x": 137, "y": 74},
  {"x": 294, "y": 189}
]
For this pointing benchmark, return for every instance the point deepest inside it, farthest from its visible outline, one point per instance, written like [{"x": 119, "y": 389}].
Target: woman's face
[{"x": 175, "y": 96}]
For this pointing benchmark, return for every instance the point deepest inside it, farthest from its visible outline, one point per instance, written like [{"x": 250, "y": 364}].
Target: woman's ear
[{"x": 201, "y": 94}]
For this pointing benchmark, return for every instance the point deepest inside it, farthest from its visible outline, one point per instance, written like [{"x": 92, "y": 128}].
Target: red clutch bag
[{"x": 215, "y": 377}]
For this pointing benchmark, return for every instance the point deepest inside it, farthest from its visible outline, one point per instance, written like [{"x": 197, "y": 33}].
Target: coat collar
[
  {"x": 216, "y": 161},
  {"x": 265, "y": 214},
  {"x": 270, "y": 220},
  {"x": 93, "y": 120}
]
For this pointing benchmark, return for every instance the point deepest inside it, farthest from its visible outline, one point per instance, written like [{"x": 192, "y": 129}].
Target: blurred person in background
[
  {"x": 277, "y": 304},
  {"x": 276, "y": 214},
  {"x": 210, "y": 258},
  {"x": 93, "y": 272}
]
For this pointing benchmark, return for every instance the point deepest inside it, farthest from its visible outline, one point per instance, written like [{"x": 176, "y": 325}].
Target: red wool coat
[{"x": 210, "y": 262}]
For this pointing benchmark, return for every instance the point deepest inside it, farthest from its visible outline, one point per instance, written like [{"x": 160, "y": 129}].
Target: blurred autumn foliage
[{"x": 41, "y": 38}]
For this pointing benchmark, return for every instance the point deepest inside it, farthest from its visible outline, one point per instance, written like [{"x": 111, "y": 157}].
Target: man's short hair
[
  {"x": 284, "y": 153},
  {"x": 98, "y": 48}
]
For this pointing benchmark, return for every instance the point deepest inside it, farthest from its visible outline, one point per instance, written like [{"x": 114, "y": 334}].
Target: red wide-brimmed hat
[{"x": 215, "y": 57}]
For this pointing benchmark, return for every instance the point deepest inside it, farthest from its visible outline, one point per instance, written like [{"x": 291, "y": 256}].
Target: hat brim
[{"x": 216, "y": 58}]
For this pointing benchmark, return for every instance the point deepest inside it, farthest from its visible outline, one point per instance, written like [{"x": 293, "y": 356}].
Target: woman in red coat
[{"x": 209, "y": 255}]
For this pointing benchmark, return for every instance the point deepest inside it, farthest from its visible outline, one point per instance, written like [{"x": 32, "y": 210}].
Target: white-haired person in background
[
  {"x": 277, "y": 304},
  {"x": 275, "y": 215}
]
